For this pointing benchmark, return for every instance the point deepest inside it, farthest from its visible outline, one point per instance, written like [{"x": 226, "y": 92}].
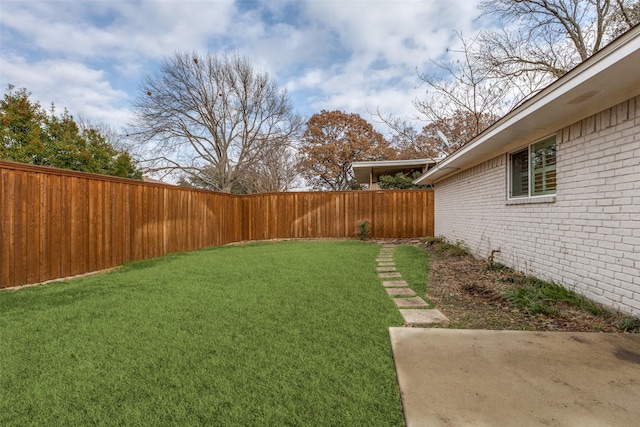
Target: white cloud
[
  {"x": 71, "y": 85},
  {"x": 117, "y": 29},
  {"x": 383, "y": 44},
  {"x": 352, "y": 55}
]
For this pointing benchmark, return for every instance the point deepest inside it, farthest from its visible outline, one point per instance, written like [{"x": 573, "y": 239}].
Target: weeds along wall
[{"x": 56, "y": 223}]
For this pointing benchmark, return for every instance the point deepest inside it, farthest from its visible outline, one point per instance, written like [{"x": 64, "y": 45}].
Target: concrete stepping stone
[
  {"x": 389, "y": 275},
  {"x": 383, "y": 269},
  {"x": 384, "y": 258},
  {"x": 423, "y": 318},
  {"x": 386, "y": 264},
  {"x": 397, "y": 292},
  {"x": 415, "y": 302},
  {"x": 395, "y": 284}
]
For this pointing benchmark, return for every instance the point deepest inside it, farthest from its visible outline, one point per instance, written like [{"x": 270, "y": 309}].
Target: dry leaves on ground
[{"x": 471, "y": 295}]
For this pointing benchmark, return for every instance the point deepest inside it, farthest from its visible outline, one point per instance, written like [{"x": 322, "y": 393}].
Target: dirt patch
[{"x": 471, "y": 295}]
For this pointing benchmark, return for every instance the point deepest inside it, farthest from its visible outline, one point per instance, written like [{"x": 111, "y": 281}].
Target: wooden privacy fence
[{"x": 56, "y": 223}]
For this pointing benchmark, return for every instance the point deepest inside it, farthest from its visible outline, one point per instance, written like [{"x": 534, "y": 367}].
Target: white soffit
[
  {"x": 609, "y": 77},
  {"x": 362, "y": 170}
]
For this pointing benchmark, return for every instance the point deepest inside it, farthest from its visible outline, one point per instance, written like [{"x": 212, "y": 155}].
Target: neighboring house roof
[
  {"x": 610, "y": 76},
  {"x": 363, "y": 170}
]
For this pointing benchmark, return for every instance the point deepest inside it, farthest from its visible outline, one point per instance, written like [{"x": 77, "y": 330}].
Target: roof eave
[{"x": 604, "y": 80}]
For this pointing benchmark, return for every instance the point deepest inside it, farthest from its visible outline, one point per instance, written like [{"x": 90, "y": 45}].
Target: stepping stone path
[
  {"x": 398, "y": 292},
  {"x": 415, "y": 302},
  {"x": 414, "y": 310}
]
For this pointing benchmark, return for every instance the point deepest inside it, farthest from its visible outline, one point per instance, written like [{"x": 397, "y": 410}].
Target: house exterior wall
[{"x": 587, "y": 237}]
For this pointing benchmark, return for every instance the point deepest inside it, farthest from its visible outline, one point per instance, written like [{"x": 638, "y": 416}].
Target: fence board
[{"x": 56, "y": 223}]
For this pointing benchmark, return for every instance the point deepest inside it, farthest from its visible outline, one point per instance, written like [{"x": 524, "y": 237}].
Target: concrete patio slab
[
  {"x": 395, "y": 283},
  {"x": 388, "y": 275},
  {"x": 416, "y": 302},
  {"x": 395, "y": 292},
  {"x": 383, "y": 269},
  {"x": 451, "y": 377},
  {"x": 421, "y": 318}
]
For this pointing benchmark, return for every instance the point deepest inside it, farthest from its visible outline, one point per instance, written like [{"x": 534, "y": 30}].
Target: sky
[{"x": 358, "y": 56}]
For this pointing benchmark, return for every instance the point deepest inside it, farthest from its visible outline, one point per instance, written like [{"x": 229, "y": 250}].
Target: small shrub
[
  {"x": 495, "y": 266},
  {"x": 629, "y": 324},
  {"x": 537, "y": 296},
  {"x": 440, "y": 244},
  {"x": 532, "y": 300},
  {"x": 362, "y": 229},
  {"x": 455, "y": 249},
  {"x": 400, "y": 181},
  {"x": 435, "y": 240},
  {"x": 451, "y": 249}
]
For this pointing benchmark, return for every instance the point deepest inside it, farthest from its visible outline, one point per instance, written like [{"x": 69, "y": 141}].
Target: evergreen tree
[{"x": 29, "y": 135}]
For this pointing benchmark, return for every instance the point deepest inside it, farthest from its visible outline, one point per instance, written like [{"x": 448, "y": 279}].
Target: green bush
[
  {"x": 400, "y": 181},
  {"x": 362, "y": 229},
  {"x": 440, "y": 244}
]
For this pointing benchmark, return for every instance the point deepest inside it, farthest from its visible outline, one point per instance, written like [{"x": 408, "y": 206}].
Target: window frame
[{"x": 544, "y": 142}]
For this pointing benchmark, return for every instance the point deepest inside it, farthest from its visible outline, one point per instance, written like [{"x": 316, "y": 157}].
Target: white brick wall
[{"x": 588, "y": 239}]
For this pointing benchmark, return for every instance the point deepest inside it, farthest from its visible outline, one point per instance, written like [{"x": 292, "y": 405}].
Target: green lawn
[
  {"x": 288, "y": 333},
  {"x": 413, "y": 263}
]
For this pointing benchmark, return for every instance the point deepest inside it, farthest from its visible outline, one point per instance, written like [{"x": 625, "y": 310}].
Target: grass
[
  {"x": 538, "y": 296},
  {"x": 441, "y": 245},
  {"x": 413, "y": 263},
  {"x": 496, "y": 266},
  {"x": 628, "y": 323},
  {"x": 288, "y": 333}
]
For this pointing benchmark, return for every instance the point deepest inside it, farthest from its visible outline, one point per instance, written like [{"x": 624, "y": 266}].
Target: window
[{"x": 533, "y": 170}]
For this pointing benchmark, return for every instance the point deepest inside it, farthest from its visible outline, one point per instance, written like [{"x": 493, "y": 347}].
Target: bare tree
[
  {"x": 274, "y": 173},
  {"x": 457, "y": 85},
  {"x": 547, "y": 38},
  {"x": 116, "y": 138},
  {"x": 408, "y": 141},
  {"x": 626, "y": 16},
  {"x": 463, "y": 89},
  {"x": 539, "y": 41},
  {"x": 462, "y": 100},
  {"x": 457, "y": 129},
  {"x": 212, "y": 118}
]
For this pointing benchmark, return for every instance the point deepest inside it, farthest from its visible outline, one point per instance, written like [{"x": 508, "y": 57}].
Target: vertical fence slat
[
  {"x": 19, "y": 207},
  {"x": 32, "y": 244},
  {"x": 7, "y": 228}
]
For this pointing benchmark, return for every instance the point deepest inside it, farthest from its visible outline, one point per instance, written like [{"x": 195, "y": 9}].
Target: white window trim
[{"x": 529, "y": 199}]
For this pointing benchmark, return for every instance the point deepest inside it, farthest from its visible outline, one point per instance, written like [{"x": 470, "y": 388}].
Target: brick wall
[{"x": 587, "y": 237}]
